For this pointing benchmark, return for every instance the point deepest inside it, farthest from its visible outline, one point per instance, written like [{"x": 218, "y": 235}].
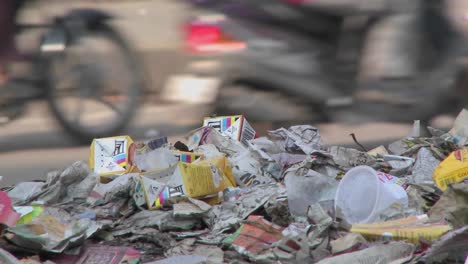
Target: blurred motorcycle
[
  {"x": 86, "y": 71},
  {"x": 284, "y": 60}
]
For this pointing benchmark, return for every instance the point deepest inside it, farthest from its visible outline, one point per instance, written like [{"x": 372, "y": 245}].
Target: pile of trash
[{"x": 226, "y": 195}]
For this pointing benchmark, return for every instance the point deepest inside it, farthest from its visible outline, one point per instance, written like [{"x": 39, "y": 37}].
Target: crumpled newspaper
[
  {"x": 71, "y": 185},
  {"x": 247, "y": 169},
  {"x": 163, "y": 220},
  {"x": 186, "y": 247},
  {"x": 117, "y": 189},
  {"x": 380, "y": 254},
  {"x": 24, "y": 191},
  {"x": 209, "y": 151},
  {"x": 190, "y": 208},
  {"x": 209, "y": 135},
  {"x": 400, "y": 165},
  {"x": 424, "y": 167},
  {"x": 452, "y": 246},
  {"x": 229, "y": 214},
  {"x": 303, "y": 138},
  {"x": 264, "y": 147},
  {"x": 348, "y": 157},
  {"x": 452, "y": 205},
  {"x": 347, "y": 242}
]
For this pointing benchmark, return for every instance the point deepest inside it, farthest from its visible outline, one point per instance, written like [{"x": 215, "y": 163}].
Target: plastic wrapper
[
  {"x": 305, "y": 187},
  {"x": 452, "y": 170},
  {"x": 299, "y": 138},
  {"x": 52, "y": 231},
  {"x": 424, "y": 167},
  {"x": 207, "y": 177},
  {"x": 28, "y": 213},
  {"x": 113, "y": 156},
  {"x": 412, "y": 229},
  {"x": 254, "y": 236},
  {"x": 155, "y": 160},
  {"x": 247, "y": 170},
  {"x": 235, "y": 127},
  {"x": 387, "y": 253}
]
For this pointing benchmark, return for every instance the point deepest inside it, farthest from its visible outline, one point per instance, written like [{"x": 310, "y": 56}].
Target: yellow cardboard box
[
  {"x": 452, "y": 170},
  {"x": 204, "y": 178},
  {"x": 112, "y": 156},
  {"x": 235, "y": 127}
]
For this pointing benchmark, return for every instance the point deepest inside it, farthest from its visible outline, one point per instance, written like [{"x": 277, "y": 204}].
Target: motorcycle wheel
[{"x": 95, "y": 85}]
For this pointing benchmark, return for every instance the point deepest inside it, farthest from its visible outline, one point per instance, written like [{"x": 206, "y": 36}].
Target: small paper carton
[
  {"x": 204, "y": 178},
  {"x": 452, "y": 170},
  {"x": 147, "y": 192},
  {"x": 112, "y": 156},
  {"x": 235, "y": 127}
]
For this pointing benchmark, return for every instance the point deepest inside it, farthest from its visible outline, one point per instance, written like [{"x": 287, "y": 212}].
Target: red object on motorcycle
[{"x": 209, "y": 38}]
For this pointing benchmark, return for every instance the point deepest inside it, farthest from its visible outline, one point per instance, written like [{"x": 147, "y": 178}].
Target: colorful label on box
[
  {"x": 203, "y": 178},
  {"x": 188, "y": 157},
  {"x": 235, "y": 127}
]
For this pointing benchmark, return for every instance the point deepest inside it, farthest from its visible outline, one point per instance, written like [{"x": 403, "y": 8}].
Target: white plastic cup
[{"x": 363, "y": 194}]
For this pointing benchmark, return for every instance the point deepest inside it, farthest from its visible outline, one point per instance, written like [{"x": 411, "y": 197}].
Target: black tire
[{"x": 132, "y": 86}]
